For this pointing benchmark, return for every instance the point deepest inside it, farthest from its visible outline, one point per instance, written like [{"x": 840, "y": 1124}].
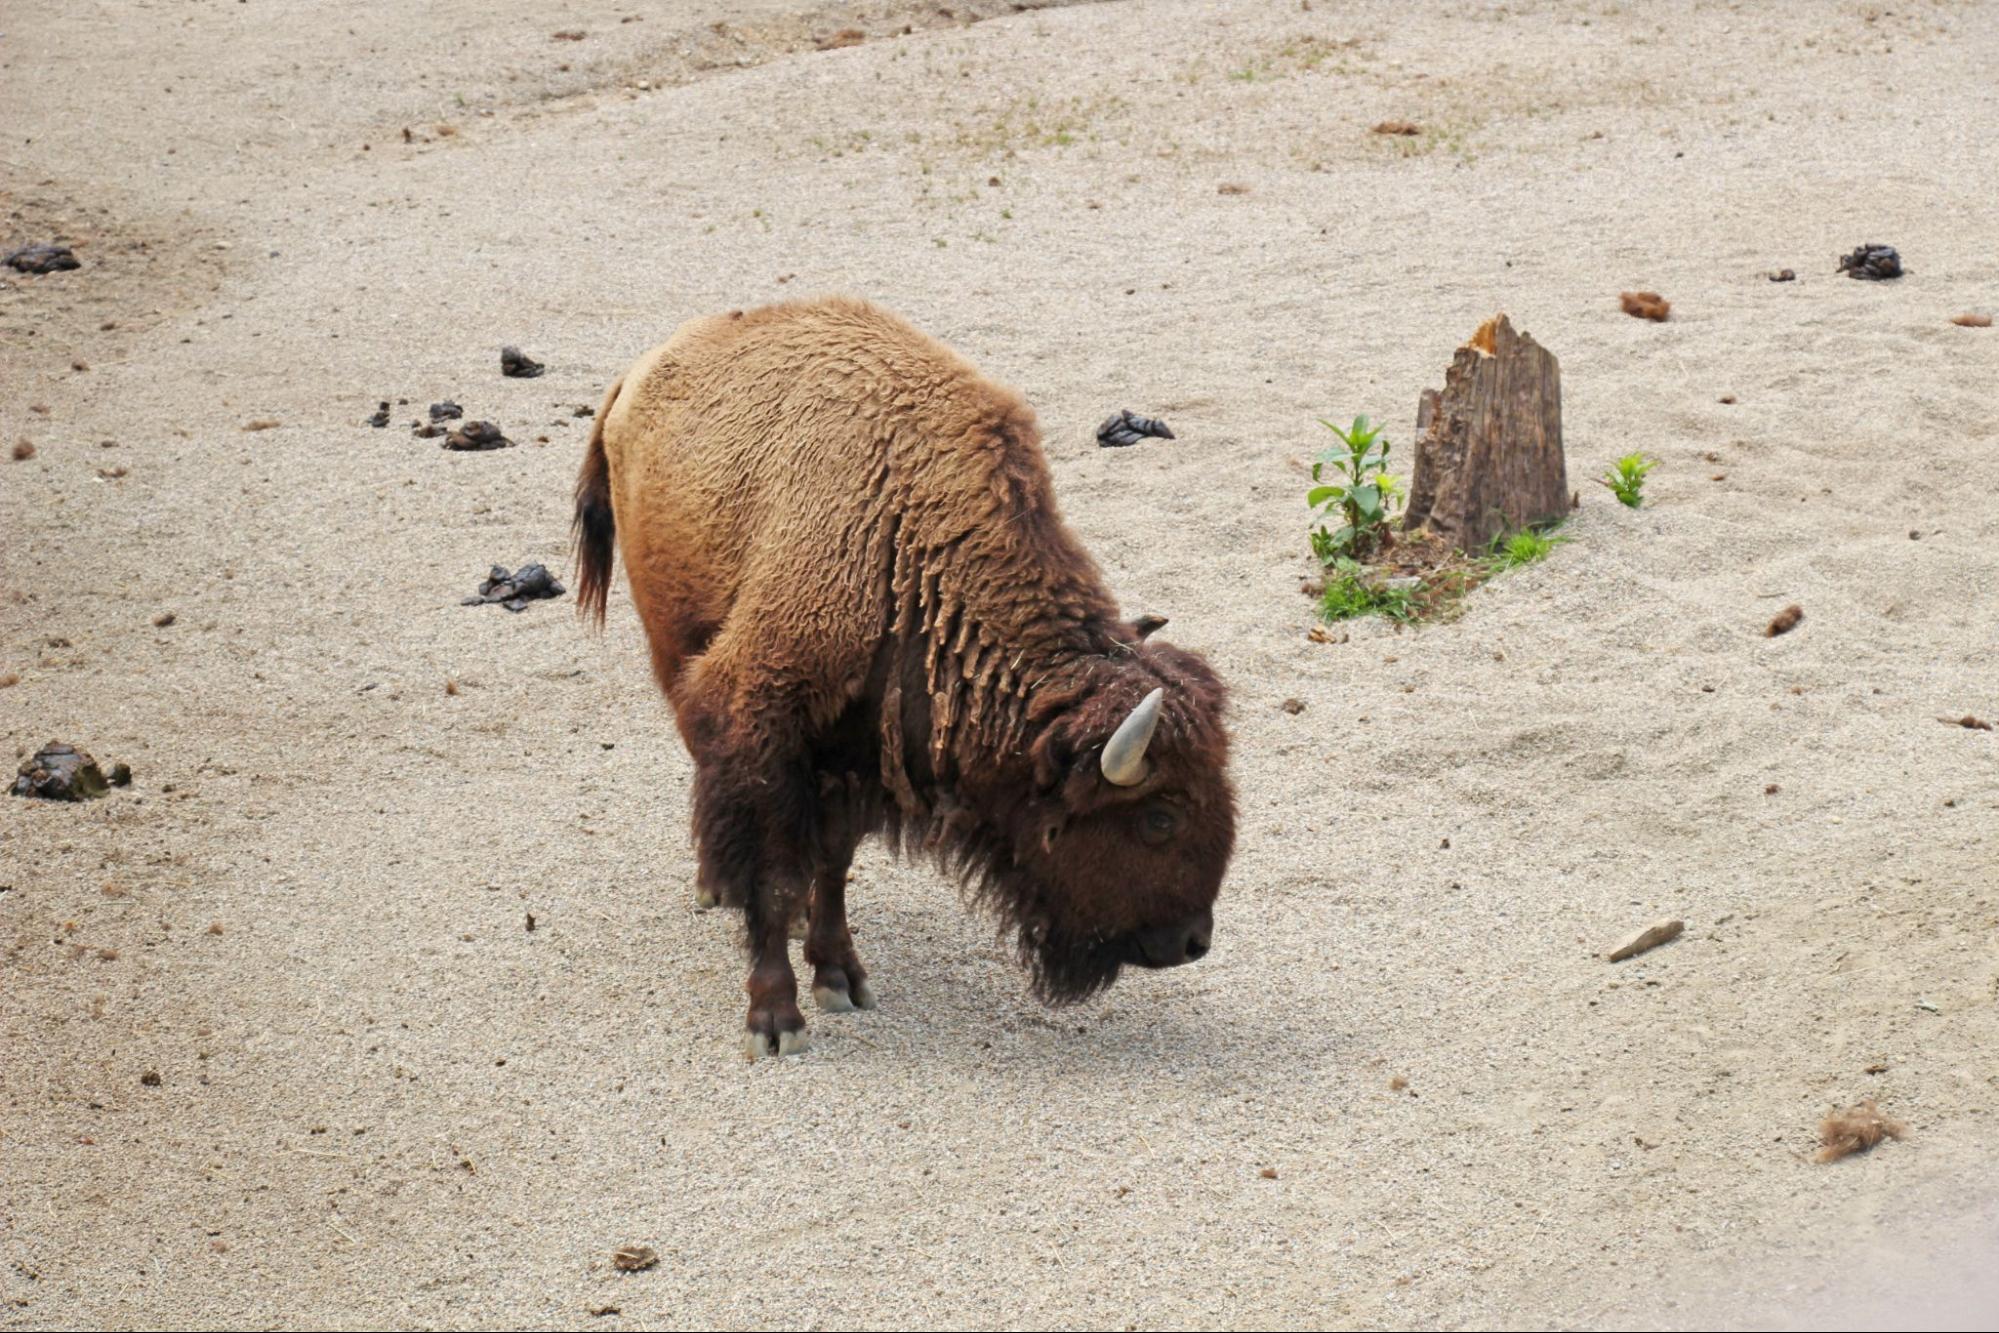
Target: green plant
[
  {"x": 1522, "y": 548},
  {"x": 1349, "y": 593},
  {"x": 1627, "y": 480},
  {"x": 1360, "y": 498}
]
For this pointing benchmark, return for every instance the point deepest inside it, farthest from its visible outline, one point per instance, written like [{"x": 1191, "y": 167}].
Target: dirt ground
[{"x": 383, "y": 1100}]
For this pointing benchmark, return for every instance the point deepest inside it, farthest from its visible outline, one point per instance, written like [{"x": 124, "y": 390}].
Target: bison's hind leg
[{"x": 839, "y": 982}]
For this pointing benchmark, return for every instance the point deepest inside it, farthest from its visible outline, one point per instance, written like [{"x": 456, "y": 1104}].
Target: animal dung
[
  {"x": 1785, "y": 621},
  {"x": 42, "y": 259},
  {"x": 23, "y": 450},
  {"x": 1968, "y": 722},
  {"x": 381, "y": 417},
  {"x": 1854, "y": 1130},
  {"x": 1971, "y": 320},
  {"x": 1783, "y": 275},
  {"x": 1645, "y": 305},
  {"x": 474, "y": 435},
  {"x": 1128, "y": 428},
  {"x": 59, "y": 772},
  {"x": 634, "y": 1258},
  {"x": 1872, "y": 262},
  {"x": 1654, "y": 935},
  {"x": 445, "y": 411},
  {"x": 1402, "y": 127},
  {"x": 515, "y": 590},
  {"x": 518, "y": 365}
]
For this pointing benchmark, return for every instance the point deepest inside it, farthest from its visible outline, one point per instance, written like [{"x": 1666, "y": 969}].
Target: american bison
[{"x": 869, "y": 617}]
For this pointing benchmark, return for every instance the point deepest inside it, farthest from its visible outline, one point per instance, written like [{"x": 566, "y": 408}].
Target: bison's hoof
[
  {"x": 832, "y": 992},
  {"x": 757, "y": 1044}
]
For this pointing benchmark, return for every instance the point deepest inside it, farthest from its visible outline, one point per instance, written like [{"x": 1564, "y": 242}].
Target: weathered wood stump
[{"x": 1489, "y": 444}]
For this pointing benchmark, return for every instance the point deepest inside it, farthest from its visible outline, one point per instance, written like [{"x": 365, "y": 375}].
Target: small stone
[
  {"x": 1785, "y": 621},
  {"x": 1783, "y": 275},
  {"x": 1972, "y": 321},
  {"x": 446, "y": 411},
  {"x": 262, "y": 423},
  {"x": 1268, "y": 1173},
  {"x": 151, "y": 1078},
  {"x": 381, "y": 417},
  {"x": 1294, "y": 706},
  {"x": 1654, "y": 935},
  {"x": 163, "y": 619}
]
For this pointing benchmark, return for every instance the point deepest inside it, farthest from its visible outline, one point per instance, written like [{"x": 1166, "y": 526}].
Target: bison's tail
[{"x": 596, "y": 526}]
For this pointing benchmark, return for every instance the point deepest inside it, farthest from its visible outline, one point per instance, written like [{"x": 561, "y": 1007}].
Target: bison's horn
[{"x": 1124, "y": 753}]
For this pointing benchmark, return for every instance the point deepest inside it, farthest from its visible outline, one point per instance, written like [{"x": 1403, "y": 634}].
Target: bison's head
[{"x": 1120, "y": 850}]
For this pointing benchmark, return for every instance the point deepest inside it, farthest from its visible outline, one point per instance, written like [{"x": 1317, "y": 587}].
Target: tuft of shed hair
[
  {"x": 1645, "y": 305},
  {"x": 1785, "y": 621},
  {"x": 1856, "y": 1129}
]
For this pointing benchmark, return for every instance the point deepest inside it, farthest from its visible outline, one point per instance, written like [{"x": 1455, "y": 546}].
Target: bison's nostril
[{"x": 1197, "y": 944}]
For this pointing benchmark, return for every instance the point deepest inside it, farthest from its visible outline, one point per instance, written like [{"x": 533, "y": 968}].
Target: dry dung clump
[
  {"x": 1872, "y": 262},
  {"x": 1785, "y": 621},
  {"x": 1645, "y": 305},
  {"x": 1856, "y": 1129}
]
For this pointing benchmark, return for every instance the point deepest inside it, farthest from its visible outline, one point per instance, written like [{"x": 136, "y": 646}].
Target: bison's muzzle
[{"x": 1170, "y": 946}]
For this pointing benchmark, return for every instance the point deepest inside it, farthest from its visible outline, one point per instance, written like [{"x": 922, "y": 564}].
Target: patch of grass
[
  {"x": 1523, "y": 548},
  {"x": 1350, "y": 593},
  {"x": 1627, "y": 480}
]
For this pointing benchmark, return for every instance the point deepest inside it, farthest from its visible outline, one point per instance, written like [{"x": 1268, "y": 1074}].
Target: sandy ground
[{"x": 383, "y": 1101}]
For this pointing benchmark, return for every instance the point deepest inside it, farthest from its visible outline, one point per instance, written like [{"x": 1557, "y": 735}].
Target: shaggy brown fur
[
  {"x": 1856, "y": 1129},
  {"x": 869, "y": 616}
]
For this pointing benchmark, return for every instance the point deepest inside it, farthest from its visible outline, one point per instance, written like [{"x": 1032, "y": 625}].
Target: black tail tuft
[{"x": 596, "y": 527}]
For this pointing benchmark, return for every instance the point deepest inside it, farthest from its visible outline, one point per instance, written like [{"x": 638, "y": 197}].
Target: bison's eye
[{"x": 1157, "y": 824}]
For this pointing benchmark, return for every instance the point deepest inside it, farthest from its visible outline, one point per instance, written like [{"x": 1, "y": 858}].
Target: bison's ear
[{"x": 1147, "y": 625}]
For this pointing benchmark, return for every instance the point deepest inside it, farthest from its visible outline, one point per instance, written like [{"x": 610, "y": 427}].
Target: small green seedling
[
  {"x": 1522, "y": 548},
  {"x": 1358, "y": 499},
  {"x": 1627, "y": 479}
]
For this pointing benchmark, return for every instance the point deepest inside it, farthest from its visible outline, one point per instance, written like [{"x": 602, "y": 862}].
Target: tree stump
[{"x": 1489, "y": 445}]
